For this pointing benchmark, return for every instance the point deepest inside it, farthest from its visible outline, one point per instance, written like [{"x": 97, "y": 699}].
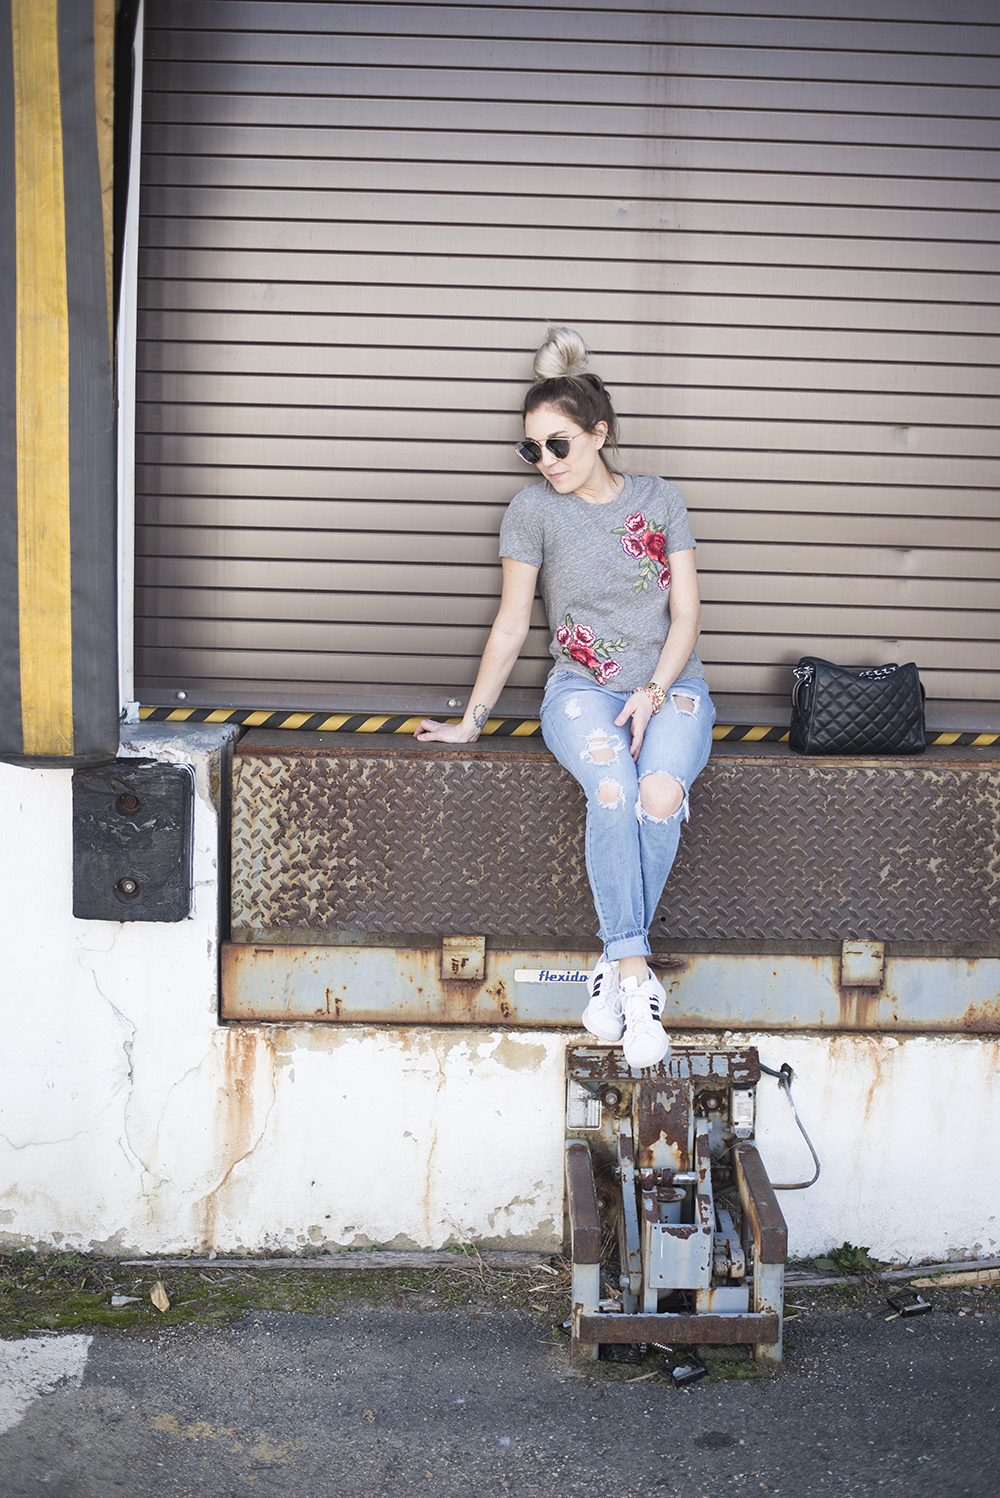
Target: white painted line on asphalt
[{"x": 36, "y": 1366}]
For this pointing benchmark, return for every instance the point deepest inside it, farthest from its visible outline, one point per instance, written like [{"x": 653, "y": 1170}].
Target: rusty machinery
[{"x": 662, "y": 1170}]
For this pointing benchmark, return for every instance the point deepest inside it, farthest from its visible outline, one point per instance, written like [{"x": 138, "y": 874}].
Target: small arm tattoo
[{"x": 479, "y": 716}]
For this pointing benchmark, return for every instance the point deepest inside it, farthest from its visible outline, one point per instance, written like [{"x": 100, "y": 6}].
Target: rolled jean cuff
[{"x": 627, "y": 946}]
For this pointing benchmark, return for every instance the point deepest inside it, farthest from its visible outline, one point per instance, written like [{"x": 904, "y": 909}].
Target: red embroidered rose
[
  {"x": 655, "y": 543},
  {"x": 584, "y": 655},
  {"x": 646, "y": 542},
  {"x": 581, "y": 644}
]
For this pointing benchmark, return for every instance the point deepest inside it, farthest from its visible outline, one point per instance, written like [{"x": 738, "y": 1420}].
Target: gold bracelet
[{"x": 656, "y": 695}]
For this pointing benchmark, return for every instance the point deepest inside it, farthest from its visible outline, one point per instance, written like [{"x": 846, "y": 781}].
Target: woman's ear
[{"x": 601, "y": 433}]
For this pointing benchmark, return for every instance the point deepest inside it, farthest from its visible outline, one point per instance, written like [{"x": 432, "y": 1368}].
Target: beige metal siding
[{"x": 778, "y": 233}]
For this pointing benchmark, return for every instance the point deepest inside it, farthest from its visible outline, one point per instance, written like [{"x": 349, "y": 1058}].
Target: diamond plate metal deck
[{"x": 335, "y": 840}]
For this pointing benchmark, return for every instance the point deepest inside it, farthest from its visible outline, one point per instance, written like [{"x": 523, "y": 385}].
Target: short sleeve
[
  {"x": 521, "y": 531},
  {"x": 679, "y": 534}
]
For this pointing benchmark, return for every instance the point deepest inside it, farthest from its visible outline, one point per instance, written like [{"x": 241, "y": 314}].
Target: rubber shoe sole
[{"x": 646, "y": 1042}]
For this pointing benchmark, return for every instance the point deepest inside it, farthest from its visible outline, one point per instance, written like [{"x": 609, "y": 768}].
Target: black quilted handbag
[{"x": 875, "y": 710}]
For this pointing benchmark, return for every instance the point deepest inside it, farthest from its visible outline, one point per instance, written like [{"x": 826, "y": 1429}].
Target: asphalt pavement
[{"x": 407, "y": 1397}]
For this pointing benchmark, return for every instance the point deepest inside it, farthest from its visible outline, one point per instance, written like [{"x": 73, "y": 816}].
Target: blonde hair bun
[{"x": 562, "y": 356}]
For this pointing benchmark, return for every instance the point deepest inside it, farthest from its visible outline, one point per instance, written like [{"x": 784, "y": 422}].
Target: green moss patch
[{"x": 77, "y": 1292}]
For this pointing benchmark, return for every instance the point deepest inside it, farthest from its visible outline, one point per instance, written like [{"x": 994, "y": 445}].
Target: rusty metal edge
[
  {"x": 270, "y": 984},
  {"x": 671, "y": 1326},
  {"x": 316, "y": 743},
  {"x": 767, "y": 1223},
  {"x": 581, "y": 1198}
]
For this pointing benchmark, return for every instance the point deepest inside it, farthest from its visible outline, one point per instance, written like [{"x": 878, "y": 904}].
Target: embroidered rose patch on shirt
[
  {"x": 580, "y": 643},
  {"x": 647, "y": 542}
]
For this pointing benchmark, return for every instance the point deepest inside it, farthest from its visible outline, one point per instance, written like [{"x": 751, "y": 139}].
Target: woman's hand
[
  {"x": 639, "y": 708},
  {"x": 429, "y": 731}
]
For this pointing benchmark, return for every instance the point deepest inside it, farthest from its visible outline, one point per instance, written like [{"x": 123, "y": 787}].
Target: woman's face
[{"x": 582, "y": 467}]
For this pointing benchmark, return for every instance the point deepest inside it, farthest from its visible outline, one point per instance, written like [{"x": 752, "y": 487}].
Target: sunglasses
[{"x": 559, "y": 447}]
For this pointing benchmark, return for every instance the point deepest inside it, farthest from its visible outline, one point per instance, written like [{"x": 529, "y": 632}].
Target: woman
[{"x": 626, "y": 708}]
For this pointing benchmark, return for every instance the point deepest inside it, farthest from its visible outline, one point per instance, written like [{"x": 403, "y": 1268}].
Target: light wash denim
[{"x": 629, "y": 852}]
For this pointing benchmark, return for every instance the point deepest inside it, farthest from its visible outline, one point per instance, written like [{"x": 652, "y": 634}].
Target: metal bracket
[
  {"x": 862, "y": 964},
  {"x": 463, "y": 958}
]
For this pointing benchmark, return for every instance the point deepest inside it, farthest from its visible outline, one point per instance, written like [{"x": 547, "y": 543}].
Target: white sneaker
[
  {"x": 646, "y": 1042},
  {"x": 603, "y": 1016}
]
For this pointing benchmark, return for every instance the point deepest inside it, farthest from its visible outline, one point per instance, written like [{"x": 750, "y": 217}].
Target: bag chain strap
[{"x": 872, "y": 673}]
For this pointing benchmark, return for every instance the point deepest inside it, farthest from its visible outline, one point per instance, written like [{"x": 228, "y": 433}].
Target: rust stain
[
  {"x": 461, "y": 1002},
  {"x": 499, "y": 993},
  {"x": 670, "y": 970},
  {"x": 235, "y": 1112},
  {"x": 982, "y": 1019},
  {"x": 878, "y": 1056},
  {"x": 846, "y": 1053},
  {"x": 664, "y": 1122},
  {"x": 859, "y": 1008}
]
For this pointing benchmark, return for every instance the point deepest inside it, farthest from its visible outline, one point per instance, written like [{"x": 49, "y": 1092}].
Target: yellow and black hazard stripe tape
[
  {"x": 500, "y": 728},
  {"x": 757, "y": 734},
  {"x": 326, "y": 722}
]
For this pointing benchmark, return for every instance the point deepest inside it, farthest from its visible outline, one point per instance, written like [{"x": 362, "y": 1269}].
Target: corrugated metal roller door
[{"x": 777, "y": 233}]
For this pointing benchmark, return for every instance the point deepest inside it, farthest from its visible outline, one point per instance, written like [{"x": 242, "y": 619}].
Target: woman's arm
[
  {"x": 685, "y": 624},
  {"x": 509, "y": 632}
]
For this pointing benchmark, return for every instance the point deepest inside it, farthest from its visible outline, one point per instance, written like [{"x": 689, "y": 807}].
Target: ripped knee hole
[
  {"x": 660, "y": 795},
  {"x": 610, "y": 793}
]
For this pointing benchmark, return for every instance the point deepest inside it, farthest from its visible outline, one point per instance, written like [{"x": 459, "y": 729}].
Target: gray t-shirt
[{"x": 604, "y": 574}]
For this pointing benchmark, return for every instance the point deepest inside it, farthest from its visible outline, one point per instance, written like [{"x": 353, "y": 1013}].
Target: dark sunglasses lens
[
  {"x": 558, "y": 446},
  {"x": 529, "y": 451}
]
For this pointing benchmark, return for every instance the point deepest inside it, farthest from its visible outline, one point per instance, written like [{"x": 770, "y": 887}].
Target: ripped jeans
[{"x": 629, "y": 851}]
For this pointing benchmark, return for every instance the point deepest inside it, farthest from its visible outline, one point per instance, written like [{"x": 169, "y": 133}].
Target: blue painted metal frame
[{"x": 404, "y": 986}]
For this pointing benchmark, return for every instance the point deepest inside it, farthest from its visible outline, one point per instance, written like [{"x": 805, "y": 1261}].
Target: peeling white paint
[
  {"x": 134, "y": 1121},
  {"x": 36, "y": 1366}
]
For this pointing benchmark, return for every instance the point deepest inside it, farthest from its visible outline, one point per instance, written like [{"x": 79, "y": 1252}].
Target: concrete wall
[{"x": 131, "y": 1120}]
